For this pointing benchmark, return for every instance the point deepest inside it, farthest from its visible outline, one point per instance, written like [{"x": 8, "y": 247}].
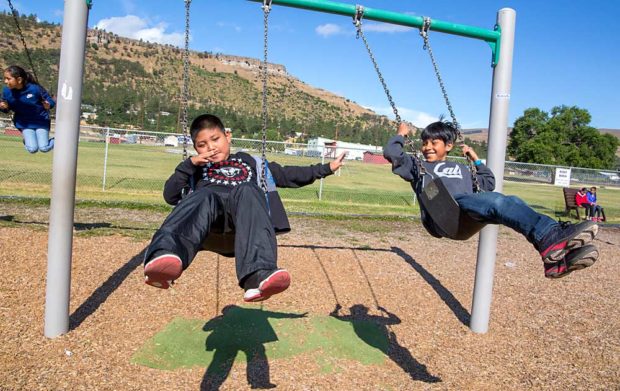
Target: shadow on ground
[{"x": 101, "y": 294}]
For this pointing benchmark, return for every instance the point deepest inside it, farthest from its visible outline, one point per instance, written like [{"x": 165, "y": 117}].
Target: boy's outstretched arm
[
  {"x": 339, "y": 162},
  {"x": 402, "y": 164},
  {"x": 298, "y": 176}
]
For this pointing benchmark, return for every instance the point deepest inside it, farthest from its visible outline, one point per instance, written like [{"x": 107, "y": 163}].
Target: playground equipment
[
  {"x": 219, "y": 240},
  {"x": 501, "y": 41},
  {"x": 435, "y": 198}
]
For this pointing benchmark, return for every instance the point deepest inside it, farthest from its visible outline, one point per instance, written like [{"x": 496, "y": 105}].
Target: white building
[
  {"x": 171, "y": 141},
  {"x": 333, "y": 148}
]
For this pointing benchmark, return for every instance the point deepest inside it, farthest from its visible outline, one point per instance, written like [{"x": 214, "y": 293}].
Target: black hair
[
  {"x": 17, "y": 71},
  {"x": 584, "y": 189},
  {"x": 442, "y": 130},
  {"x": 205, "y": 121}
]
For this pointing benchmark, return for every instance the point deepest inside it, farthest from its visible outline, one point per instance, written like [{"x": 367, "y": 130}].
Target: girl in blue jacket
[{"x": 30, "y": 104}]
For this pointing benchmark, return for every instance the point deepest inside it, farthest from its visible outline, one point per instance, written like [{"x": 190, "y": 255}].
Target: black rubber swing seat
[{"x": 445, "y": 212}]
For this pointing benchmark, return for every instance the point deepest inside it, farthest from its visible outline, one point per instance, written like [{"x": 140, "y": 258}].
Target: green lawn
[{"x": 136, "y": 173}]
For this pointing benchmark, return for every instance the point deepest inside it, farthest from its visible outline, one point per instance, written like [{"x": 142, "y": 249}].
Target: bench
[{"x": 569, "y": 201}]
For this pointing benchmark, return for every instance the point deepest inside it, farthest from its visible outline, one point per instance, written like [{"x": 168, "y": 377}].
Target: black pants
[{"x": 243, "y": 210}]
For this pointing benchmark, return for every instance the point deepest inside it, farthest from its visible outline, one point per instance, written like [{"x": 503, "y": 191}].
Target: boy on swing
[
  {"x": 563, "y": 247},
  {"x": 226, "y": 198}
]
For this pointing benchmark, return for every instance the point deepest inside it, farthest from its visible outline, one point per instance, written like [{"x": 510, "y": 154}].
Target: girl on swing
[
  {"x": 30, "y": 104},
  {"x": 563, "y": 247},
  {"x": 226, "y": 198}
]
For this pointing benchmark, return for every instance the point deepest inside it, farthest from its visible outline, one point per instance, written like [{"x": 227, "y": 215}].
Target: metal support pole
[
  {"x": 321, "y": 182},
  {"x": 64, "y": 168},
  {"x": 498, "y": 130},
  {"x": 105, "y": 158}
]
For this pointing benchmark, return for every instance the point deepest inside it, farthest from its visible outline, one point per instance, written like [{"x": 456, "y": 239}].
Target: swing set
[{"x": 436, "y": 200}]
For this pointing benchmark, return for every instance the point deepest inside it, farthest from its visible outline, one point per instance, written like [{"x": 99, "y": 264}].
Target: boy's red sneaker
[
  {"x": 161, "y": 271},
  {"x": 565, "y": 237},
  {"x": 271, "y": 282},
  {"x": 576, "y": 259}
]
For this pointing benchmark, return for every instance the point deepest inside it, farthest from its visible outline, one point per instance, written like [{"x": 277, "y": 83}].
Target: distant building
[
  {"x": 333, "y": 148},
  {"x": 171, "y": 141},
  {"x": 88, "y": 115},
  {"x": 374, "y": 158}
]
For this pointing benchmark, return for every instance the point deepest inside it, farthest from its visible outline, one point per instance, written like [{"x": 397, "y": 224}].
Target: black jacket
[{"x": 241, "y": 167}]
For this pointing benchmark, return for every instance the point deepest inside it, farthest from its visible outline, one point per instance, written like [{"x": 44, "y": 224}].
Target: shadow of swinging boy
[
  {"x": 359, "y": 318},
  {"x": 241, "y": 330}
]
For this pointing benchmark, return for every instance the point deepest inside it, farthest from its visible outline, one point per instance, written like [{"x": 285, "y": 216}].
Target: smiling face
[
  {"x": 14, "y": 83},
  {"x": 213, "y": 140},
  {"x": 435, "y": 150}
]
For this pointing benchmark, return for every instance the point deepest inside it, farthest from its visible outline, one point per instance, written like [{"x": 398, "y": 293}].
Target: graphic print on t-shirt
[
  {"x": 448, "y": 172},
  {"x": 230, "y": 172}
]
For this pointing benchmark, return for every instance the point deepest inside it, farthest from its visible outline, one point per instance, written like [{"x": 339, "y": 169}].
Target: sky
[{"x": 566, "y": 52}]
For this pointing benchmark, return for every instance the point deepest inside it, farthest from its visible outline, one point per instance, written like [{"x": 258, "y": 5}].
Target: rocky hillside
[{"x": 132, "y": 83}]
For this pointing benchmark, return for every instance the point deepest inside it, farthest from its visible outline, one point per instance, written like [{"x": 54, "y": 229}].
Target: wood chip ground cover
[{"x": 544, "y": 335}]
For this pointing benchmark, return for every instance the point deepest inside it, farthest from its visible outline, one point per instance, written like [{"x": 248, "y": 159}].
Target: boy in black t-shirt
[{"x": 226, "y": 197}]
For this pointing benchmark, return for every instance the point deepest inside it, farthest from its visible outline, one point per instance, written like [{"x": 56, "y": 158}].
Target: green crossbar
[{"x": 492, "y": 37}]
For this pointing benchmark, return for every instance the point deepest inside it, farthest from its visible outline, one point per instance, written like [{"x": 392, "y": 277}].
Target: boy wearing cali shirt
[{"x": 563, "y": 247}]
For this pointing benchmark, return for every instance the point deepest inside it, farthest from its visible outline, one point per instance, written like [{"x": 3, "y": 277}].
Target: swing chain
[
  {"x": 427, "y": 46},
  {"x": 266, "y": 5},
  {"x": 185, "y": 92},
  {"x": 21, "y": 36},
  {"x": 266, "y": 9},
  {"x": 357, "y": 21}
]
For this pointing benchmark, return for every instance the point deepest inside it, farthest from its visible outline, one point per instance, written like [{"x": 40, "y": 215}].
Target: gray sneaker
[
  {"x": 565, "y": 237},
  {"x": 576, "y": 259}
]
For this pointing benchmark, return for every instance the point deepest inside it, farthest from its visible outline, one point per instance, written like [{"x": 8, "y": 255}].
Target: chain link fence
[{"x": 121, "y": 165}]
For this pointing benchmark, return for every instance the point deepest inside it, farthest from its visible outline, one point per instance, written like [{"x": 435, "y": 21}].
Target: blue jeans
[
  {"x": 37, "y": 140},
  {"x": 511, "y": 211}
]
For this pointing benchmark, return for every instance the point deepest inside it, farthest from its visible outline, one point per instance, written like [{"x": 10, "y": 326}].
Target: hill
[
  {"x": 482, "y": 134},
  {"x": 137, "y": 84}
]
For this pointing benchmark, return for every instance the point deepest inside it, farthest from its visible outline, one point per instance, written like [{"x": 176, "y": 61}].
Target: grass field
[{"x": 136, "y": 173}]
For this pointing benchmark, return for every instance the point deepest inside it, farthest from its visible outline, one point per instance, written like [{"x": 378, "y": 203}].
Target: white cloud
[
  {"x": 131, "y": 26},
  {"x": 328, "y": 29},
  {"x": 385, "y": 28},
  {"x": 418, "y": 118}
]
